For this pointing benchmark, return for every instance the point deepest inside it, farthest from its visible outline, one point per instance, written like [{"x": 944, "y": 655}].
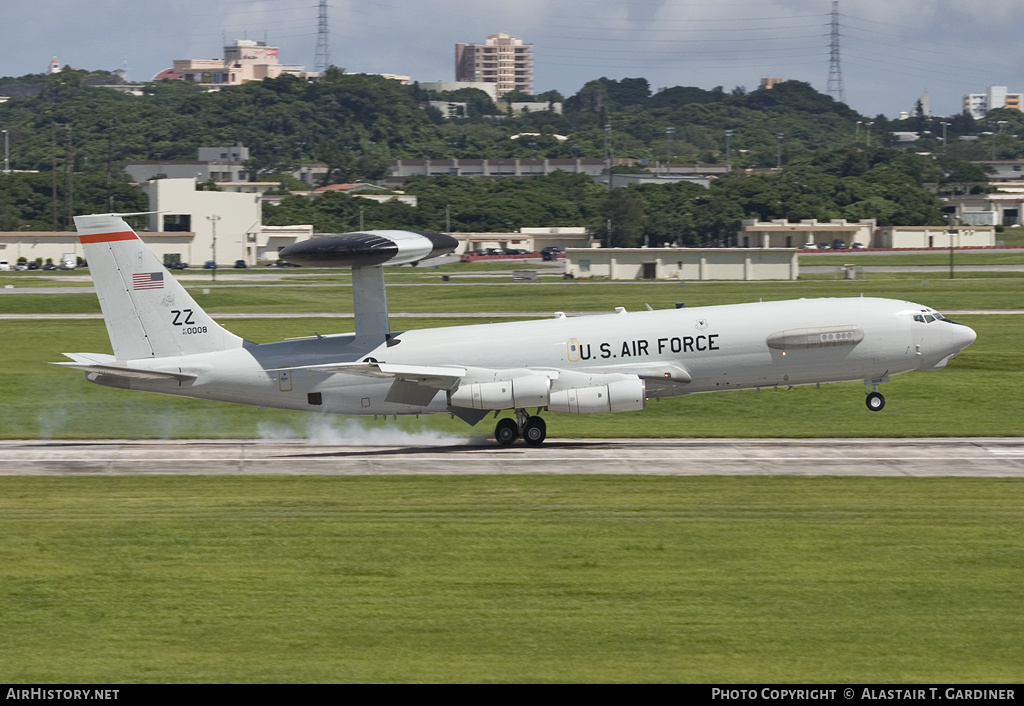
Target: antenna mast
[
  {"x": 323, "y": 52},
  {"x": 835, "y": 73}
]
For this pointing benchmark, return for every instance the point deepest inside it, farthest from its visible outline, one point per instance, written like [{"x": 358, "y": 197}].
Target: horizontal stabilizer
[{"x": 102, "y": 364}]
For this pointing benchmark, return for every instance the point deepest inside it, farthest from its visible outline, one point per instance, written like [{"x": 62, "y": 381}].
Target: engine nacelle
[
  {"x": 528, "y": 391},
  {"x": 619, "y": 396}
]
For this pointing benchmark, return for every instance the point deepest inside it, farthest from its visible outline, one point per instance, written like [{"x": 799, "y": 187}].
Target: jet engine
[
  {"x": 519, "y": 393},
  {"x": 620, "y": 396}
]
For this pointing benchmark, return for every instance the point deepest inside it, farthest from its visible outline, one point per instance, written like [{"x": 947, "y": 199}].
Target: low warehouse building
[{"x": 682, "y": 263}]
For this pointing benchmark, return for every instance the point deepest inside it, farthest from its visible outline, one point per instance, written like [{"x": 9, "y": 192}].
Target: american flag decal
[{"x": 148, "y": 280}]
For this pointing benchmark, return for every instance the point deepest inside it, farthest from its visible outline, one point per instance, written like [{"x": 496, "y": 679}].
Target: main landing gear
[
  {"x": 875, "y": 401},
  {"x": 532, "y": 429}
]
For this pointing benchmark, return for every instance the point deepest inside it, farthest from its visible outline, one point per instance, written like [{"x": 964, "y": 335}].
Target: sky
[{"x": 890, "y": 51}]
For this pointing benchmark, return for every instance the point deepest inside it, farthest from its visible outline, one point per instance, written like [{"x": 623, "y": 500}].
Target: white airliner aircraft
[{"x": 164, "y": 342}]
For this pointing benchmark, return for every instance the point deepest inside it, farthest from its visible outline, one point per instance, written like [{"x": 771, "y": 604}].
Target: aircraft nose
[{"x": 964, "y": 336}]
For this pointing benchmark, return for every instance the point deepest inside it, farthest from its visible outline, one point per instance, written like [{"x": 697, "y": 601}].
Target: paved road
[{"x": 419, "y": 455}]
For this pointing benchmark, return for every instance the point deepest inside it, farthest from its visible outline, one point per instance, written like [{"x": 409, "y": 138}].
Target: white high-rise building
[{"x": 503, "y": 60}]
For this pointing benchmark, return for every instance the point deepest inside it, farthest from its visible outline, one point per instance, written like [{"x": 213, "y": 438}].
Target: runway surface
[{"x": 966, "y": 457}]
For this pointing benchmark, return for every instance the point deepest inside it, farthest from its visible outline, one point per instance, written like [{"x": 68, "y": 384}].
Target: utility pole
[
  {"x": 608, "y": 153},
  {"x": 7, "y": 153},
  {"x": 728, "y": 160},
  {"x": 69, "y": 170},
  {"x": 53, "y": 173},
  {"x": 668, "y": 149},
  {"x": 778, "y": 150}
]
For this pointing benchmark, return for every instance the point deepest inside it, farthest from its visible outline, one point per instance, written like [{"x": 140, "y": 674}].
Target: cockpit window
[
  {"x": 918, "y": 318},
  {"x": 929, "y": 318},
  {"x": 939, "y": 316}
]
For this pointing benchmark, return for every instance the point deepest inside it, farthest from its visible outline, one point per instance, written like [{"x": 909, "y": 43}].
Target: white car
[
  {"x": 21, "y": 266},
  {"x": 5, "y": 266},
  {"x": 809, "y": 246}
]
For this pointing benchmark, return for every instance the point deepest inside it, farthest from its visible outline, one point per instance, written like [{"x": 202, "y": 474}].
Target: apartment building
[
  {"x": 502, "y": 59},
  {"x": 977, "y": 104}
]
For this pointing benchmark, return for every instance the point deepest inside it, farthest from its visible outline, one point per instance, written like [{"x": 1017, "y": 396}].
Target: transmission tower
[
  {"x": 835, "y": 73},
  {"x": 323, "y": 51}
]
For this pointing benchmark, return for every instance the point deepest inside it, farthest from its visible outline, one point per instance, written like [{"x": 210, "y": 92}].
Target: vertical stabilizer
[{"x": 147, "y": 312}]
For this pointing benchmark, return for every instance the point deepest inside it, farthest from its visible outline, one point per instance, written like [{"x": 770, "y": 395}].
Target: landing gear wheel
[
  {"x": 875, "y": 401},
  {"x": 535, "y": 431},
  {"x": 506, "y": 432}
]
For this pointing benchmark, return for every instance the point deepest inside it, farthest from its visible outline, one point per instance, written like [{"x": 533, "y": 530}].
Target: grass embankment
[{"x": 462, "y": 579}]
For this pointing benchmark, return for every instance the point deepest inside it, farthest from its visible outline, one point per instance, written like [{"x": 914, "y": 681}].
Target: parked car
[
  {"x": 5, "y": 266},
  {"x": 240, "y": 265},
  {"x": 34, "y": 265},
  {"x": 176, "y": 265},
  {"x": 551, "y": 253},
  {"x": 49, "y": 266},
  {"x": 21, "y": 266},
  {"x": 858, "y": 246},
  {"x": 824, "y": 246},
  {"x": 839, "y": 244},
  {"x": 809, "y": 246},
  {"x": 210, "y": 265}
]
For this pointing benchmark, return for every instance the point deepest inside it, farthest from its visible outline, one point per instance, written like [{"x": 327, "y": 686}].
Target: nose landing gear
[
  {"x": 532, "y": 429},
  {"x": 875, "y": 401}
]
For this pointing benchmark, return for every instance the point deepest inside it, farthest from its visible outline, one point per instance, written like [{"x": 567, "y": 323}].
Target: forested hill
[{"x": 356, "y": 124}]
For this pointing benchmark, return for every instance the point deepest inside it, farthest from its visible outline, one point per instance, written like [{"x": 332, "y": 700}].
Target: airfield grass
[
  {"x": 980, "y": 393},
  {"x": 963, "y": 292},
  {"x": 511, "y": 579}
]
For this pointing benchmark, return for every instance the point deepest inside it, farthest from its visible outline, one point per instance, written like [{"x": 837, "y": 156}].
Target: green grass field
[
  {"x": 980, "y": 393},
  {"x": 511, "y": 579}
]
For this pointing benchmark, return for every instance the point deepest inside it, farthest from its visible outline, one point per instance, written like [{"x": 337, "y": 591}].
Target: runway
[{"x": 964, "y": 457}]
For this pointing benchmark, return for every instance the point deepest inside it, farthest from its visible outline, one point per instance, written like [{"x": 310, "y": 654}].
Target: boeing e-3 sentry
[{"x": 164, "y": 342}]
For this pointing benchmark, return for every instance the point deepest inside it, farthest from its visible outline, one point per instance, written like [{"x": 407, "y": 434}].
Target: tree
[{"x": 624, "y": 213}]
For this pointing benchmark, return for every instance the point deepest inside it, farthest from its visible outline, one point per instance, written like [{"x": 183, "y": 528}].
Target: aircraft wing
[
  {"x": 665, "y": 374},
  {"x": 436, "y": 377},
  {"x": 103, "y": 364}
]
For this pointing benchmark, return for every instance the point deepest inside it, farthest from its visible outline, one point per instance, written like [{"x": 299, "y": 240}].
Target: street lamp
[
  {"x": 213, "y": 243},
  {"x": 778, "y": 150},
  {"x": 944, "y": 136},
  {"x": 728, "y": 162},
  {"x": 7, "y": 153},
  {"x": 867, "y": 131}
]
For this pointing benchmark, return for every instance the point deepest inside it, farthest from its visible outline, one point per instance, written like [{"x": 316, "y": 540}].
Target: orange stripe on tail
[{"x": 107, "y": 237}]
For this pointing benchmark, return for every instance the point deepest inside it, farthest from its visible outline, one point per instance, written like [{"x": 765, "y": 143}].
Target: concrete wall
[
  {"x": 682, "y": 263},
  {"x": 936, "y": 236}
]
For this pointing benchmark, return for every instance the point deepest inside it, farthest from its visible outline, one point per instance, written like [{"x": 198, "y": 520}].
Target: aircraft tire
[
  {"x": 875, "y": 401},
  {"x": 506, "y": 432},
  {"x": 535, "y": 431}
]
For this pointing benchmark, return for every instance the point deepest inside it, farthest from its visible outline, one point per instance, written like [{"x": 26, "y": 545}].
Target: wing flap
[{"x": 436, "y": 377}]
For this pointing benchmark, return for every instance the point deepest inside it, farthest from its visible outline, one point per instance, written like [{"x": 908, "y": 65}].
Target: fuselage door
[
  {"x": 284, "y": 379},
  {"x": 572, "y": 350}
]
